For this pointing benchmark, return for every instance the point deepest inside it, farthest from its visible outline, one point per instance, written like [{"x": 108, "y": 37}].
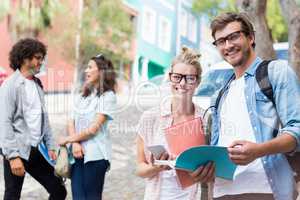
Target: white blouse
[{"x": 84, "y": 113}]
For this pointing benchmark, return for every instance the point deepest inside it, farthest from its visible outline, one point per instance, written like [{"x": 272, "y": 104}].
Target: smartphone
[{"x": 156, "y": 150}]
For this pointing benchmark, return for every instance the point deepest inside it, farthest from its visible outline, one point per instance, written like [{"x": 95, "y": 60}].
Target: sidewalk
[{"x": 120, "y": 182}]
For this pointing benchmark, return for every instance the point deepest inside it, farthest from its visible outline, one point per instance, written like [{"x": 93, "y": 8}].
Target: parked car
[
  {"x": 281, "y": 50},
  {"x": 212, "y": 81}
]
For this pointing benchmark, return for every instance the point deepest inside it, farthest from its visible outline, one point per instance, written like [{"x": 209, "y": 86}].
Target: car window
[
  {"x": 282, "y": 54},
  {"x": 212, "y": 81}
]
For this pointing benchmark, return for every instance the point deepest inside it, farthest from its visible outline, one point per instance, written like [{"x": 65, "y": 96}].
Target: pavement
[{"x": 121, "y": 182}]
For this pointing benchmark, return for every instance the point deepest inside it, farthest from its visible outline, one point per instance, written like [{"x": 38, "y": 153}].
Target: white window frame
[
  {"x": 192, "y": 33},
  {"x": 165, "y": 33},
  {"x": 183, "y": 22},
  {"x": 149, "y": 25},
  {"x": 167, "y": 4}
]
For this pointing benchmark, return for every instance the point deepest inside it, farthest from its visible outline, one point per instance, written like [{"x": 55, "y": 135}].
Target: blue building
[{"x": 162, "y": 28}]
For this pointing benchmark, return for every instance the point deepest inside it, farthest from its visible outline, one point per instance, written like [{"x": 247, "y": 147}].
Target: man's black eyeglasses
[
  {"x": 232, "y": 37},
  {"x": 189, "y": 78}
]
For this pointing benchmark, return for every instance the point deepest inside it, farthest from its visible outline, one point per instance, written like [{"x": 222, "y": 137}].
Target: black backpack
[{"x": 262, "y": 78}]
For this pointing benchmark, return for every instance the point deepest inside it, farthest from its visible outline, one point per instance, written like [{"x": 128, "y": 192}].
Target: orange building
[{"x": 58, "y": 75}]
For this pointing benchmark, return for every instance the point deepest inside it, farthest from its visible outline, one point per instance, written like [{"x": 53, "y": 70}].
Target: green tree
[
  {"x": 106, "y": 28},
  {"x": 256, "y": 10},
  {"x": 275, "y": 20},
  {"x": 28, "y": 18},
  {"x": 211, "y": 8},
  {"x": 4, "y": 8},
  {"x": 97, "y": 27}
]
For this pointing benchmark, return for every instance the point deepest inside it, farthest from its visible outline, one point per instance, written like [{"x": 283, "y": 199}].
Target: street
[{"x": 120, "y": 182}]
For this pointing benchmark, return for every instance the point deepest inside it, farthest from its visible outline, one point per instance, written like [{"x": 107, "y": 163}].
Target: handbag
[{"x": 63, "y": 166}]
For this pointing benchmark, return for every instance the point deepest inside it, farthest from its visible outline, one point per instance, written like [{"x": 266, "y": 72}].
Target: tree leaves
[
  {"x": 212, "y": 8},
  {"x": 276, "y": 23}
]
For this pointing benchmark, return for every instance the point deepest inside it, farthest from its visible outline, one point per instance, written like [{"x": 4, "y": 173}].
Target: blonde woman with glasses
[{"x": 161, "y": 181}]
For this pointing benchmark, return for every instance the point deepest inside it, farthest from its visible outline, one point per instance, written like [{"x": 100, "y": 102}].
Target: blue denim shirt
[{"x": 265, "y": 118}]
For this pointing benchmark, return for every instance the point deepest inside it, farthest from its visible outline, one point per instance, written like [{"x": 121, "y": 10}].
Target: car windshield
[
  {"x": 282, "y": 54},
  {"x": 212, "y": 81}
]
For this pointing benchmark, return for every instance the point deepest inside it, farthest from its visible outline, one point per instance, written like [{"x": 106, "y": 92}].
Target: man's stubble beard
[{"x": 243, "y": 60}]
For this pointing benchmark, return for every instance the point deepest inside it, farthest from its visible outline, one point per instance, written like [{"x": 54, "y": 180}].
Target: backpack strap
[
  {"x": 262, "y": 78},
  {"x": 222, "y": 91},
  {"x": 38, "y": 81}
]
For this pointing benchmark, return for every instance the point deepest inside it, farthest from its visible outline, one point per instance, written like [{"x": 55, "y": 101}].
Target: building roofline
[{"x": 130, "y": 9}]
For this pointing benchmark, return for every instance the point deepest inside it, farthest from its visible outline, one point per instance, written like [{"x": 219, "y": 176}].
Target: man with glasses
[
  {"x": 24, "y": 124},
  {"x": 245, "y": 120}
]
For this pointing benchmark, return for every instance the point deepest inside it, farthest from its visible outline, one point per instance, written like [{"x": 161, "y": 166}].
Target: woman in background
[{"x": 88, "y": 132}]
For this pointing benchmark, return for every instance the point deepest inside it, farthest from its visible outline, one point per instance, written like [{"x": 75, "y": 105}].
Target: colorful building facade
[{"x": 162, "y": 28}]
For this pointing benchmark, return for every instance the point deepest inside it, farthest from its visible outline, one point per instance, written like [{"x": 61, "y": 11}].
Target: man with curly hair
[{"x": 24, "y": 123}]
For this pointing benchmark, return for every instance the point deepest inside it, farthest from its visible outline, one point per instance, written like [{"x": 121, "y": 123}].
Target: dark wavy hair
[
  {"x": 107, "y": 80},
  {"x": 222, "y": 20},
  {"x": 25, "y": 49}
]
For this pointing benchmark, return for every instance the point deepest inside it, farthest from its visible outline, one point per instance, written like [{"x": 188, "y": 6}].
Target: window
[
  {"x": 168, "y": 4},
  {"x": 183, "y": 22},
  {"x": 164, "y": 37},
  {"x": 149, "y": 25},
  {"x": 192, "y": 35}
]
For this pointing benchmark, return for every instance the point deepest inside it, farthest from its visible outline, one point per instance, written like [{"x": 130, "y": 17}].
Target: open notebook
[
  {"x": 186, "y": 141},
  {"x": 181, "y": 137}
]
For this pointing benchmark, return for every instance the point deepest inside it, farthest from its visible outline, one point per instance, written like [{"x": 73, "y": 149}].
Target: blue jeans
[{"x": 87, "y": 179}]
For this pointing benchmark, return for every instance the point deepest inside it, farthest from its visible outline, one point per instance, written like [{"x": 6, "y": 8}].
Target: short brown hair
[
  {"x": 189, "y": 57},
  {"x": 222, "y": 20}
]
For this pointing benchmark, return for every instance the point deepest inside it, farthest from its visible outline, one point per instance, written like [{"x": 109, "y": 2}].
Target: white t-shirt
[
  {"x": 170, "y": 188},
  {"x": 33, "y": 111},
  {"x": 236, "y": 125}
]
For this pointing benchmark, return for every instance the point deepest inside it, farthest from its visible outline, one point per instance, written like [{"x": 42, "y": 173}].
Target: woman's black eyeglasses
[{"x": 189, "y": 78}]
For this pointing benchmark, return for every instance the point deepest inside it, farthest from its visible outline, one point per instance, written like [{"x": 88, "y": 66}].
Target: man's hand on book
[
  {"x": 243, "y": 152},
  {"x": 163, "y": 156},
  {"x": 204, "y": 174}
]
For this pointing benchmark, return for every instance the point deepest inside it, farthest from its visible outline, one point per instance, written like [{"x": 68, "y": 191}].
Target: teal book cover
[
  {"x": 192, "y": 158},
  {"x": 44, "y": 151}
]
